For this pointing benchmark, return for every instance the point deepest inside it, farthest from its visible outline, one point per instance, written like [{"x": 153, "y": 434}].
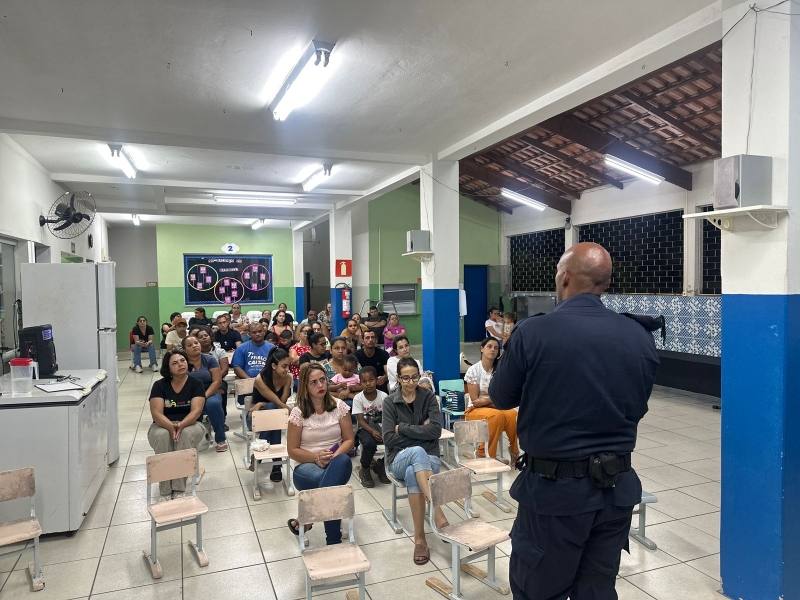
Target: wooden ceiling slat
[
  {"x": 526, "y": 171},
  {"x": 574, "y": 163}
]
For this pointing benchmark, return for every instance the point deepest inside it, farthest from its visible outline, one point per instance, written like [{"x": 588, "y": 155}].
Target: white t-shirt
[
  {"x": 391, "y": 370},
  {"x": 494, "y": 328},
  {"x": 369, "y": 408},
  {"x": 477, "y": 375}
]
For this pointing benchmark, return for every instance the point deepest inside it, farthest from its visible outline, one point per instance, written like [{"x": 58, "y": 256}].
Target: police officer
[{"x": 581, "y": 377}]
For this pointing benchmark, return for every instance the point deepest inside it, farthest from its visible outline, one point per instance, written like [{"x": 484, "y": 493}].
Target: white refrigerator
[{"x": 80, "y": 302}]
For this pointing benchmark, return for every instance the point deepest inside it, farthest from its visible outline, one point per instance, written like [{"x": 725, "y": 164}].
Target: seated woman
[
  {"x": 208, "y": 346},
  {"x": 302, "y": 346},
  {"x": 142, "y": 335},
  {"x": 326, "y": 316},
  {"x": 319, "y": 436},
  {"x": 402, "y": 349},
  {"x": 266, "y": 314},
  {"x": 353, "y": 330},
  {"x": 271, "y": 389},
  {"x": 412, "y": 424},
  {"x": 317, "y": 328},
  {"x": 393, "y": 329},
  {"x": 200, "y": 318},
  {"x": 335, "y": 364},
  {"x": 477, "y": 378},
  {"x": 281, "y": 322},
  {"x": 205, "y": 368},
  {"x": 176, "y": 405},
  {"x": 239, "y": 321}
]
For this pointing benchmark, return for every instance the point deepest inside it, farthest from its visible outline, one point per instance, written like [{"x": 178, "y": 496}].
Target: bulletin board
[{"x": 225, "y": 279}]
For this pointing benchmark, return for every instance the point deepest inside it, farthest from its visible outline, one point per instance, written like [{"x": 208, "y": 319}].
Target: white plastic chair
[
  {"x": 330, "y": 504},
  {"x": 476, "y": 432},
  {"x": 178, "y": 512},
  {"x": 271, "y": 420},
  {"x": 14, "y": 485},
  {"x": 475, "y": 537},
  {"x": 291, "y": 314},
  {"x": 219, "y": 313},
  {"x": 187, "y": 315},
  {"x": 253, "y": 315}
]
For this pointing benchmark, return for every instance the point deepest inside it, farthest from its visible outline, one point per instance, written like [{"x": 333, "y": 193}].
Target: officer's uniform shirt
[{"x": 581, "y": 377}]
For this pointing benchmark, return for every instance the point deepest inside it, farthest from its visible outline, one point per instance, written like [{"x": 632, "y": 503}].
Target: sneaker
[
  {"x": 366, "y": 478},
  {"x": 277, "y": 474},
  {"x": 176, "y": 495},
  {"x": 137, "y": 368},
  {"x": 380, "y": 471},
  {"x": 165, "y": 498},
  {"x": 154, "y": 368}
]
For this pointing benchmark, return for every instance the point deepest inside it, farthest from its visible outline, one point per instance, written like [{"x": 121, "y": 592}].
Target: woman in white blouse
[
  {"x": 318, "y": 437},
  {"x": 402, "y": 348},
  {"x": 477, "y": 379}
]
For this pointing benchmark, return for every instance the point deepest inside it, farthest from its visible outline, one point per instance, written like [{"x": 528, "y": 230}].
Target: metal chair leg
[
  {"x": 391, "y": 516},
  {"x": 308, "y": 587},
  {"x": 202, "y": 557},
  {"x": 152, "y": 558},
  {"x": 35, "y": 568},
  {"x": 256, "y": 488}
]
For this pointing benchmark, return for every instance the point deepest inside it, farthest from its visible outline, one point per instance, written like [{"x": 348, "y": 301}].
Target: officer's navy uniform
[{"x": 581, "y": 377}]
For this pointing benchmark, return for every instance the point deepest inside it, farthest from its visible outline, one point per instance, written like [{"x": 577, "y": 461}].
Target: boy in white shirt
[{"x": 368, "y": 410}]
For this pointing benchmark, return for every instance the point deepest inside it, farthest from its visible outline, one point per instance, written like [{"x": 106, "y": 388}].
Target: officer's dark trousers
[{"x": 575, "y": 556}]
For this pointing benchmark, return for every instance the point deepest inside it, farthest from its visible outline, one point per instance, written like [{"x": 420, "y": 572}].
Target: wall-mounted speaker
[{"x": 742, "y": 180}]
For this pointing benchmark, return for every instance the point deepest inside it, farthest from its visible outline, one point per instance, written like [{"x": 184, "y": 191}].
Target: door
[
  {"x": 476, "y": 288},
  {"x": 307, "y": 293}
]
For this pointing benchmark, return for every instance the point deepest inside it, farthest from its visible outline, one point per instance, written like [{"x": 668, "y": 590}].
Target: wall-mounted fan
[{"x": 70, "y": 215}]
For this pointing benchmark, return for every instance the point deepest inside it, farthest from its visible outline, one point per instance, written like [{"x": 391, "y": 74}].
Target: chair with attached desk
[
  {"x": 15, "y": 485},
  {"x": 177, "y": 512}
]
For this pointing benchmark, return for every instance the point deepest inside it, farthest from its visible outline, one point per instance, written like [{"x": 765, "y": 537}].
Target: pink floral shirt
[{"x": 320, "y": 432}]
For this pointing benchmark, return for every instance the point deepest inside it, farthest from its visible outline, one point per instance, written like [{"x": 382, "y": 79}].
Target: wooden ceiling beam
[
  {"x": 573, "y": 163},
  {"x": 587, "y": 136},
  {"x": 497, "y": 179},
  {"x": 689, "y": 132},
  {"x": 530, "y": 173},
  {"x": 713, "y": 66},
  {"x": 485, "y": 201}
]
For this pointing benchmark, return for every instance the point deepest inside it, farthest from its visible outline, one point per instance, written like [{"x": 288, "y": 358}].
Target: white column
[
  {"x": 341, "y": 244},
  {"x": 692, "y": 255},
  {"x": 571, "y": 236},
  {"x": 439, "y": 214},
  {"x": 360, "y": 226},
  {"x": 298, "y": 275}
]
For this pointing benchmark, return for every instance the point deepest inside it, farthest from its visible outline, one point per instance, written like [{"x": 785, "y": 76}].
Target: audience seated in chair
[
  {"x": 166, "y": 328},
  {"x": 298, "y": 350},
  {"x": 239, "y": 321},
  {"x": 326, "y": 316},
  {"x": 142, "y": 335},
  {"x": 249, "y": 358},
  {"x": 271, "y": 390},
  {"x": 200, "y": 318},
  {"x": 319, "y": 436},
  {"x": 393, "y": 329},
  {"x": 412, "y": 424},
  {"x": 176, "y": 405},
  {"x": 402, "y": 348},
  {"x": 317, "y": 328},
  {"x": 179, "y": 331},
  {"x": 281, "y": 322},
  {"x": 377, "y": 358},
  {"x": 368, "y": 410},
  {"x": 310, "y": 320},
  {"x": 494, "y": 325},
  {"x": 205, "y": 368},
  {"x": 346, "y": 384},
  {"x": 229, "y": 339},
  {"x": 481, "y": 407},
  {"x": 208, "y": 346}
]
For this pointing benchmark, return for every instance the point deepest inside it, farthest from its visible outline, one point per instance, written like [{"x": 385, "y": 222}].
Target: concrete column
[
  {"x": 439, "y": 213},
  {"x": 692, "y": 254},
  {"x": 360, "y": 225},
  {"x": 760, "y": 525},
  {"x": 571, "y": 236},
  {"x": 341, "y": 232},
  {"x": 298, "y": 274}
]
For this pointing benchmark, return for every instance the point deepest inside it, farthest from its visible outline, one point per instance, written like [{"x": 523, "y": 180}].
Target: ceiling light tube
[
  {"x": 254, "y": 201},
  {"x": 523, "y": 199},
  {"x": 135, "y": 219},
  {"x": 626, "y": 167},
  {"x": 304, "y": 81},
  {"x": 122, "y": 160},
  {"x": 317, "y": 178},
  {"x": 258, "y": 223}
]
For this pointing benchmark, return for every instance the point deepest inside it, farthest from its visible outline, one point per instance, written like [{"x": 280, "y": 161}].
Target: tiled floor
[{"x": 253, "y": 554}]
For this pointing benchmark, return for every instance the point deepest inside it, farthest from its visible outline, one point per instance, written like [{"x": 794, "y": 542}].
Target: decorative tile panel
[
  {"x": 647, "y": 252},
  {"x": 534, "y": 257},
  {"x": 694, "y": 323},
  {"x": 711, "y": 251}
]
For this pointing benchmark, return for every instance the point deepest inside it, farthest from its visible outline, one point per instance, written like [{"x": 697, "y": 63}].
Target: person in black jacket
[
  {"x": 581, "y": 377},
  {"x": 412, "y": 424},
  {"x": 200, "y": 318}
]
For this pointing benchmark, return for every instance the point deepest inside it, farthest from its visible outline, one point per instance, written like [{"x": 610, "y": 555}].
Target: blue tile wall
[
  {"x": 711, "y": 251},
  {"x": 694, "y": 323},
  {"x": 647, "y": 252},
  {"x": 534, "y": 257}
]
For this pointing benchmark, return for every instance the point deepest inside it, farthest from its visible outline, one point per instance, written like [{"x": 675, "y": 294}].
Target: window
[
  {"x": 7, "y": 295},
  {"x": 400, "y": 298}
]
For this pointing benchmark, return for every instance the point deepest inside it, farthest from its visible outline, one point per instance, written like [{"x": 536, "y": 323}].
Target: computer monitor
[{"x": 37, "y": 343}]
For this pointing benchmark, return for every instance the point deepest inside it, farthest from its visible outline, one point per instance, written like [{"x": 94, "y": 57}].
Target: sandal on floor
[
  {"x": 222, "y": 447},
  {"x": 422, "y": 555},
  {"x": 276, "y": 475},
  {"x": 294, "y": 526}
]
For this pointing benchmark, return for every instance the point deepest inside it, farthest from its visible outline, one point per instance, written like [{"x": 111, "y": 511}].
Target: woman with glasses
[
  {"x": 142, "y": 335},
  {"x": 402, "y": 349},
  {"x": 412, "y": 424}
]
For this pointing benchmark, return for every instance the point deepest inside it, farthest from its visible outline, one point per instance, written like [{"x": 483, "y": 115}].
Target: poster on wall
[{"x": 225, "y": 279}]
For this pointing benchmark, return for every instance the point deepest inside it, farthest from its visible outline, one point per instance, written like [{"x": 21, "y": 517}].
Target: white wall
[
  {"x": 26, "y": 191},
  {"x": 360, "y": 227},
  {"x": 134, "y": 249},
  {"x": 316, "y": 260},
  {"x": 638, "y": 198}
]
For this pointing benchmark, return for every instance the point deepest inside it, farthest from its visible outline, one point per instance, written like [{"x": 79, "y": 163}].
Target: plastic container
[{"x": 21, "y": 376}]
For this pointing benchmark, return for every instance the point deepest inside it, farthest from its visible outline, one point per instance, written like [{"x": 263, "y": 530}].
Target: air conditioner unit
[
  {"x": 418, "y": 240},
  {"x": 742, "y": 180}
]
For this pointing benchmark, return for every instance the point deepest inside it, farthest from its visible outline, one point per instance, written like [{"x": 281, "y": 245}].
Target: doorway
[
  {"x": 476, "y": 288},
  {"x": 307, "y": 292}
]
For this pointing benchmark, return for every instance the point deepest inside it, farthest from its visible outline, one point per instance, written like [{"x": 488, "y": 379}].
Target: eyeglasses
[{"x": 407, "y": 378}]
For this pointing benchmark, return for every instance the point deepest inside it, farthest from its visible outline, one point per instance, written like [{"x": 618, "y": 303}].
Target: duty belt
[{"x": 554, "y": 469}]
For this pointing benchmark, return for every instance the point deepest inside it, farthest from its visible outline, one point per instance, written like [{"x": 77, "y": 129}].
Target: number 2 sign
[{"x": 230, "y": 248}]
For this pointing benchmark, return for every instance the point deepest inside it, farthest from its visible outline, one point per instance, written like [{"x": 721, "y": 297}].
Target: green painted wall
[
  {"x": 133, "y": 302},
  {"x": 176, "y": 240},
  {"x": 393, "y": 214}
]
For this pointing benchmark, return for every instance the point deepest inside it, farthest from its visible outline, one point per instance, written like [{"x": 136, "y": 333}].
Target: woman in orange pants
[{"x": 481, "y": 407}]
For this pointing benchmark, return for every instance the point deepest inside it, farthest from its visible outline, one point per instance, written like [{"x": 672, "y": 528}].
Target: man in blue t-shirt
[{"x": 250, "y": 357}]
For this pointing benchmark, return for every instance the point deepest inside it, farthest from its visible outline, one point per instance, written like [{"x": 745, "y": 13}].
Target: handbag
[{"x": 453, "y": 401}]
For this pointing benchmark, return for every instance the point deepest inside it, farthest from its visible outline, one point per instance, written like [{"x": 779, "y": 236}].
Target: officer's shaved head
[{"x": 583, "y": 269}]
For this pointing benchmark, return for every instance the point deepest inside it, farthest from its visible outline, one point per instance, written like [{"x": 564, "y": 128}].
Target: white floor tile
[
  {"x": 683, "y": 541},
  {"x": 708, "y": 523},
  {"x": 677, "y": 582},
  {"x": 62, "y": 549},
  {"x": 680, "y": 506},
  {"x": 236, "y": 584},
  {"x": 706, "y": 467},
  {"x": 222, "y": 523},
  {"x": 671, "y": 477},
  {"x": 156, "y": 591},
  {"x": 63, "y": 581},
  {"x": 708, "y": 492},
  {"x": 628, "y": 591},
  {"x": 641, "y": 559},
  {"x": 708, "y": 565},
  {"x": 224, "y": 553},
  {"x": 133, "y": 537},
  {"x": 123, "y": 571}
]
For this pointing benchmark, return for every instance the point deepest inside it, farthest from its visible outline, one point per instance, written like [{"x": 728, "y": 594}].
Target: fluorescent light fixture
[
  {"x": 258, "y": 223},
  {"x": 523, "y": 199},
  {"x": 135, "y": 219},
  {"x": 307, "y": 172},
  {"x": 254, "y": 201},
  {"x": 303, "y": 81},
  {"x": 122, "y": 160},
  {"x": 622, "y": 165},
  {"x": 317, "y": 178}
]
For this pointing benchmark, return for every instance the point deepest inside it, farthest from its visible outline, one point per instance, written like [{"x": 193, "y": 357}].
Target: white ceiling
[{"x": 181, "y": 82}]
